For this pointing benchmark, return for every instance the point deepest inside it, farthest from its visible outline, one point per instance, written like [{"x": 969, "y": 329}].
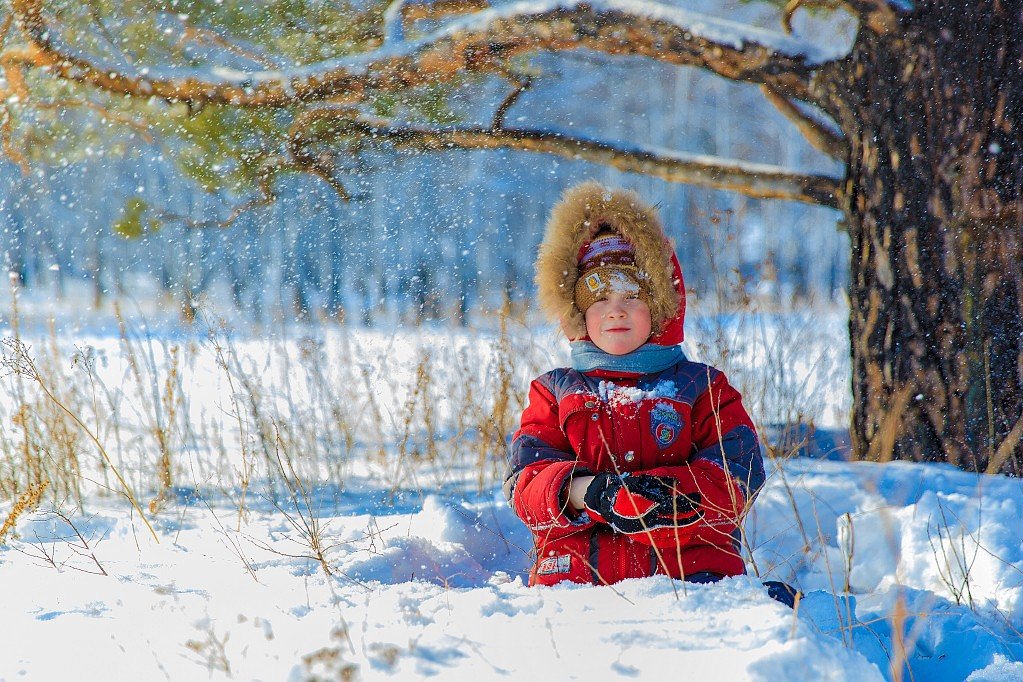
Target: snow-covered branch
[
  {"x": 750, "y": 179},
  {"x": 481, "y": 42},
  {"x": 402, "y": 12}
]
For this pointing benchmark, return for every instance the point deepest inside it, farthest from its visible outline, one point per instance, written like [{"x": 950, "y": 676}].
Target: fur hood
[{"x": 573, "y": 223}]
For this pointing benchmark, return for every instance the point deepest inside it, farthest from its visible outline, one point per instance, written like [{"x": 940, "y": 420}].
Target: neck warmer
[{"x": 647, "y": 359}]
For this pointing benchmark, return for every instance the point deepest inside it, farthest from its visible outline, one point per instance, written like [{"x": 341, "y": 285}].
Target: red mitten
[
  {"x": 720, "y": 502},
  {"x": 636, "y": 505}
]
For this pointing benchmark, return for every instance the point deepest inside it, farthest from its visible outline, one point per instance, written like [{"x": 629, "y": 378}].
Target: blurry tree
[{"x": 923, "y": 112}]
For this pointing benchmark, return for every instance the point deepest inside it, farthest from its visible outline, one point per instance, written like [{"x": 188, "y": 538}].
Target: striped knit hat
[{"x": 606, "y": 264}]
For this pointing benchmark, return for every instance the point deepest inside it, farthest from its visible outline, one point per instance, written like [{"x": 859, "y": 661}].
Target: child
[{"x": 634, "y": 461}]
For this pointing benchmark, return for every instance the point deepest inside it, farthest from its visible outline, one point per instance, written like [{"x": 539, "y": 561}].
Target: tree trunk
[{"x": 935, "y": 170}]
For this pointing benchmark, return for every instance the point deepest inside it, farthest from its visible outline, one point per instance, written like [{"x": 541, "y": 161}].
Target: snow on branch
[
  {"x": 401, "y": 12},
  {"x": 751, "y": 179},
  {"x": 481, "y": 42}
]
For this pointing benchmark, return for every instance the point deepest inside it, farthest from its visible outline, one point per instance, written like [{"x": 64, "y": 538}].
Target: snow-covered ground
[
  {"x": 415, "y": 568},
  {"x": 428, "y": 584}
]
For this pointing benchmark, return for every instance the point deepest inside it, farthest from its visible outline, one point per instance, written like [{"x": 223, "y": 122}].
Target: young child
[{"x": 634, "y": 461}]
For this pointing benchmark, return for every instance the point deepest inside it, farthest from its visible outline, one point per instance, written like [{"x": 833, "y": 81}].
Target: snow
[
  {"x": 618, "y": 395},
  {"x": 423, "y": 566},
  {"x": 623, "y": 284},
  {"x": 433, "y": 585}
]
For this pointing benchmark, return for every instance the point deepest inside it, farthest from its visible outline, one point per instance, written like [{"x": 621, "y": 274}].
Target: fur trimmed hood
[{"x": 574, "y": 221}]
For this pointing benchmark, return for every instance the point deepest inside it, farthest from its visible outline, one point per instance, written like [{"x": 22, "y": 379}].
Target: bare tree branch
[
  {"x": 101, "y": 26},
  {"x": 821, "y": 138},
  {"x": 880, "y": 16},
  {"x": 753, "y": 180},
  {"x": 306, "y": 159},
  {"x": 481, "y": 42},
  {"x": 262, "y": 200},
  {"x": 786, "y": 16},
  {"x": 522, "y": 84},
  {"x": 792, "y": 5}
]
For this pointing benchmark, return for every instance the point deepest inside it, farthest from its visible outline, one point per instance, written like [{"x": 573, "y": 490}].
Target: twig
[
  {"x": 816, "y": 133},
  {"x": 85, "y": 549},
  {"x": 522, "y": 84},
  {"x": 786, "y": 17}
]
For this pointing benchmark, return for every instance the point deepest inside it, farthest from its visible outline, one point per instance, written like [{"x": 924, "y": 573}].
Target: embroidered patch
[
  {"x": 555, "y": 564},
  {"x": 665, "y": 423},
  {"x": 593, "y": 282}
]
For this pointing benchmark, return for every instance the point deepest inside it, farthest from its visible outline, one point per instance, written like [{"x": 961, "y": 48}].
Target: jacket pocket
[
  {"x": 580, "y": 422},
  {"x": 562, "y": 559}
]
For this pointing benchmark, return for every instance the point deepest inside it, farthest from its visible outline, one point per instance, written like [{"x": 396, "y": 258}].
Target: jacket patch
[
  {"x": 665, "y": 424},
  {"x": 555, "y": 564}
]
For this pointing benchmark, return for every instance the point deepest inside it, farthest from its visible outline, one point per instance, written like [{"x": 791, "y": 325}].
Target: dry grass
[{"x": 312, "y": 402}]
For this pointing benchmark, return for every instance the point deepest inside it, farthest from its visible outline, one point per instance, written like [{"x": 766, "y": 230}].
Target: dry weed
[{"x": 27, "y": 501}]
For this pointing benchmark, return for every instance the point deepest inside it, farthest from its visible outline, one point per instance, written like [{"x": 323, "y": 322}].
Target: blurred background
[{"x": 112, "y": 203}]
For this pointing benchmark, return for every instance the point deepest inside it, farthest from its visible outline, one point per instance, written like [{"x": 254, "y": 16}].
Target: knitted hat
[
  {"x": 594, "y": 230},
  {"x": 607, "y": 264}
]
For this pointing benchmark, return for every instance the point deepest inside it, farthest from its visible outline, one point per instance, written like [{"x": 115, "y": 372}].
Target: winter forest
[{"x": 271, "y": 321}]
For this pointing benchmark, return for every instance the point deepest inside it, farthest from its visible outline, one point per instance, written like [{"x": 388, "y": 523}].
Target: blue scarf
[{"x": 647, "y": 359}]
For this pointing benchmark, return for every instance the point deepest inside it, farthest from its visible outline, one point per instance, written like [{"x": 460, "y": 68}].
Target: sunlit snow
[{"x": 423, "y": 567}]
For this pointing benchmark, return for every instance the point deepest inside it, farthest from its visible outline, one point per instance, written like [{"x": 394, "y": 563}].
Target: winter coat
[{"x": 685, "y": 422}]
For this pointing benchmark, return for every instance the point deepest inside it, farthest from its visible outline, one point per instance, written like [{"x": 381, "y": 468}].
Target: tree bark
[{"x": 935, "y": 169}]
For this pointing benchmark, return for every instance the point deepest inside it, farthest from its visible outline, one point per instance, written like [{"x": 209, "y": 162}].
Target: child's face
[{"x": 619, "y": 323}]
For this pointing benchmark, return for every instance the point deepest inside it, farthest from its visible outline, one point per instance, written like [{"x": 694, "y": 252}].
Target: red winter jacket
[{"x": 685, "y": 422}]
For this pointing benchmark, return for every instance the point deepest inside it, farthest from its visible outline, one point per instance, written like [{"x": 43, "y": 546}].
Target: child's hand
[{"x": 636, "y": 504}]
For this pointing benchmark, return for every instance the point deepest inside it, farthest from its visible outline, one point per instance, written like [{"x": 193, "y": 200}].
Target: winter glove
[{"x": 638, "y": 504}]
